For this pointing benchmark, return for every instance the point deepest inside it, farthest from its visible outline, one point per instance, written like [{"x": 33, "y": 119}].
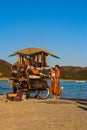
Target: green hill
[
  {"x": 74, "y": 72},
  {"x": 4, "y": 68},
  {"x": 67, "y": 72}
]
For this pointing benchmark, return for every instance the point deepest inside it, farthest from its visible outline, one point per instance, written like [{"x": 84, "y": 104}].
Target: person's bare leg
[{"x": 55, "y": 97}]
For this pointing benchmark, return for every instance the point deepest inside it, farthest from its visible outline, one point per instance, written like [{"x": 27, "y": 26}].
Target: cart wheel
[
  {"x": 33, "y": 94},
  {"x": 43, "y": 94}
]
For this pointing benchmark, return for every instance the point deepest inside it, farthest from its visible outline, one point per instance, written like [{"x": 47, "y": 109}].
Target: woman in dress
[{"x": 55, "y": 85}]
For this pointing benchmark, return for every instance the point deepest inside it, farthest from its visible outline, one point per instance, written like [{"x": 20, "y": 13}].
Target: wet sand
[{"x": 48, "y": 114}]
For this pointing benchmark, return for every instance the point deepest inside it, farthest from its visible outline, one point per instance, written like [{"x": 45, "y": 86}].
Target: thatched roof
[{"x": 32, "y": 51}]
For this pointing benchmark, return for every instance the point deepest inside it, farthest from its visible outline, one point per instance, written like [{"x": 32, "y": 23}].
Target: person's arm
[{"x": 57, "y": 75}]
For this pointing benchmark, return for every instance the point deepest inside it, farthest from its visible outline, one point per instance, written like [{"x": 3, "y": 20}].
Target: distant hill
[
  {"x": 74, "y": 72},
  {"x": 4, "y": 68},
  {"x": 67, "y": 72}
]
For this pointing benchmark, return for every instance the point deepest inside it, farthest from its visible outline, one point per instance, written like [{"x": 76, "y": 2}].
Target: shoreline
[
  {"x": 66, "y": 99},
  {"x": 4, "y": 78},
  {"x": 76, "y": 80}
]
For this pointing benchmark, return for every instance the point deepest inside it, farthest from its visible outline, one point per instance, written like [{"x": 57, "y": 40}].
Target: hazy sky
[{"x": 59, "y": 26}]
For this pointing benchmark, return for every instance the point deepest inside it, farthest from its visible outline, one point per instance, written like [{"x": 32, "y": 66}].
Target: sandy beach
[{"x": 48, "y": 114}]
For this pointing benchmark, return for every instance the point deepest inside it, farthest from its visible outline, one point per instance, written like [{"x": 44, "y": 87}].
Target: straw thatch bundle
[{"x": 33, "y": 56}]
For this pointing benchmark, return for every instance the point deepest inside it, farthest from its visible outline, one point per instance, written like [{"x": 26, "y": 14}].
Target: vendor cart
[{"x": 29, "y": 74}]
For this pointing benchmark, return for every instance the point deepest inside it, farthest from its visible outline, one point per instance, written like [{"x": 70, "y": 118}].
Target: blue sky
[{"x": 59, "y": 26}]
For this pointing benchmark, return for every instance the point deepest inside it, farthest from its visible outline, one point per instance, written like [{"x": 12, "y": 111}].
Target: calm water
[{"x": 70, "y": 89}]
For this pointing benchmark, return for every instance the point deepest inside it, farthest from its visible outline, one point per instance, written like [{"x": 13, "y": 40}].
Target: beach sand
[{"x": 48, "y": 114}]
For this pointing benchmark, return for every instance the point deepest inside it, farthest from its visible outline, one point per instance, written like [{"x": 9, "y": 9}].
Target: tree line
[{"x": 67, "y": 72}]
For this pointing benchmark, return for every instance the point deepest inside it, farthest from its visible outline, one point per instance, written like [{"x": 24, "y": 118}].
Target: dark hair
[{"x": 57, "y": 66}]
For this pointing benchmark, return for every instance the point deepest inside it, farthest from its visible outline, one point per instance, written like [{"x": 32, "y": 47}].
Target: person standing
[
  {"x": 52, "y": 75},
  {"x": 55, "y": 85}
]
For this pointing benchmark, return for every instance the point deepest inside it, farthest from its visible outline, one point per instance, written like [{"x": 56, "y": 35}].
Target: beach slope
[{"x": 36, "y": 114}]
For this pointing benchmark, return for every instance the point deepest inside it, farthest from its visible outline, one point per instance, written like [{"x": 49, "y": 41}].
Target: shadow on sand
[
  {"x": 83, "y": 104},
  {"x": 56, "y": 101},
  {"x": 84, "y": 108},
  {"x": 64, "y": 101}
]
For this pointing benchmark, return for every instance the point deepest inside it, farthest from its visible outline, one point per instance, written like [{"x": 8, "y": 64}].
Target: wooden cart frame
[{"x": 29, "y": 74}]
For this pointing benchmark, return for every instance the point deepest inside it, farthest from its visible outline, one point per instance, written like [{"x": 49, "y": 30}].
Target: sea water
[
  {"x": 74, "y": 89},
  {"x": 4, "y": 87},
  {"x": 70, "y": 89}
]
